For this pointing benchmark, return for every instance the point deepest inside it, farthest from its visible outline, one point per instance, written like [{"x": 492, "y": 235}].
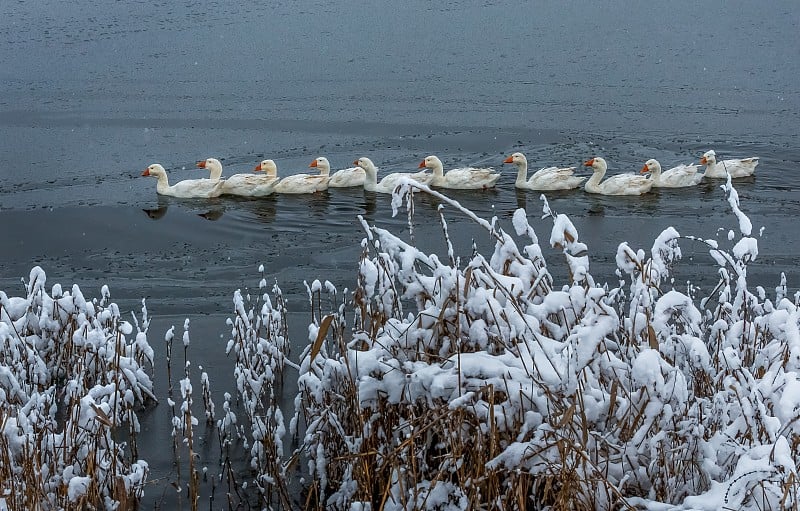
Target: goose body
[
  {"x": 242, "y": 185},
  {"x": 676, "y": 177},
  {"x": 344, "y": 178},
  {"x": 622, "y": 184},
  {"x": 295, "y": 184},
  {"x": 186, "y": 189},
  {"x": 465, "y": 178},
  {"x": 389, "y": 182},
  {"x": 735, "y": 167},
  {"x": 548, "y": 178}
]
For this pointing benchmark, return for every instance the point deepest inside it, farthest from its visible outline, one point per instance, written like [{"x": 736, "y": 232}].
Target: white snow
[
  {"x": 649, "y": 396},
  {"x": 82, "y": 352}
]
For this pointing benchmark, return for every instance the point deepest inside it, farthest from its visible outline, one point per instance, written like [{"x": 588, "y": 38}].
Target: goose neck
[
  {"x": 370, "y": 178},
  {"x": 522, "y": 173},
  {"x": 162, "y": 182},
  {"x": 593, "y": 183}
]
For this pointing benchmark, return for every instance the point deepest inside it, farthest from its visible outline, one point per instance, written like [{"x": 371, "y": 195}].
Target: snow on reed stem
[
  {"x": 487, "y": 387},
  {"x": 72, "y": 376},
  {"x": 189, "y": 420},
  {"x": 260, "y": 345},
  {"x": 471, "y": 383},
  {"x": 185, "y": 423}
]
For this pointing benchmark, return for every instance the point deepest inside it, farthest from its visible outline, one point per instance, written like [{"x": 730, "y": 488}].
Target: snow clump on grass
[
  {"x": 72, "y": 374},
  {"x": 438, "y": 383},
  {"x": 481, "y": 385}
]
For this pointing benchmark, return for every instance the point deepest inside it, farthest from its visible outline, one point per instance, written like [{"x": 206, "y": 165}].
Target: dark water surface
[{"x": 95, "y": 91}]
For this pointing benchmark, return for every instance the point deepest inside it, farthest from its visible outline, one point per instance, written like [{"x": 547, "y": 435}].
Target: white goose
[
  {"x": 548, "y": 178},
  {"x": 735, "y": 167},
  {"x": 622, "y": 184},
  {"x": 389, "y": 182},
  {"x": 353, "y": 176},
  {"x": 295, "y": 184},
  {"x": 465, "y": 178},
  {"x": 243, "y": 185},
  {"x": 186, "y": 189},
  {"x": 676, "y": 177}
]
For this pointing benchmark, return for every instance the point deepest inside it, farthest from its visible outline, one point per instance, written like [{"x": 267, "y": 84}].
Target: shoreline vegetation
[{"x": 440, "y": 382}]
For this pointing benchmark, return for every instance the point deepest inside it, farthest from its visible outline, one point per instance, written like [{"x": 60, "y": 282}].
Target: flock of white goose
[{"x": 365, "y": 174}]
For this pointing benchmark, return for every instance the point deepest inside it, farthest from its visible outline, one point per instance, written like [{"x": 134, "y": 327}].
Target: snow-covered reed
[
  {"x": 73, "y": 376},
  {"x": 438, "y": 383},
  {"x": 259, "y": 345},
  {"x": 478, "y": 384}
]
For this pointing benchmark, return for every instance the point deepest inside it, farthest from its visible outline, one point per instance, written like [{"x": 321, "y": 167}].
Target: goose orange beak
[
  {"x": 589, "y": 163},
  {"x": 644, "y": 170},
  {"x": 421, "y": 165},
  {"x": 355, "y": 162},
  {"x": 510, "y": 159},
  {"x": 313, "y": 163},
  {"x": 703, "y": 161},
  {"x": 258, "y": 167},
  {"x": 201, "y": 164},
  {"x": 146, "y": 172}
]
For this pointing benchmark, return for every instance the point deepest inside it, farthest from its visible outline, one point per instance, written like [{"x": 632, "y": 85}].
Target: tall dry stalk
[
  {"x": 73, "y": 375},
  {"x": 259, "y": 344},
  {"x": 478, "y": 384}
]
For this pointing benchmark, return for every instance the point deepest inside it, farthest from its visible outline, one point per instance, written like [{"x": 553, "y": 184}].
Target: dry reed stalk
[{"x": 483, "y": 383}]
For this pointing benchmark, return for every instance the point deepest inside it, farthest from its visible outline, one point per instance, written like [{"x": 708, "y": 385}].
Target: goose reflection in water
[{"x": 209, "y": 212}]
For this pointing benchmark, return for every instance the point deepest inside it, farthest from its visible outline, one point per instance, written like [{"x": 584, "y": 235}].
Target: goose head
[
  {"x": 432, "y": 162},
  {"x": 598, "y": 164},
  {"x": 322, "y": 164},
  {"x": 213, "y": 165},
  {"x": 366, "y": 164},
  {"x": 709, "y": 158},
  {"x": 155, "y": 170},
  {"x": 651, "y": 165},
  {"x": 517, "y": 159},
  {"x": 267, "y": 166}
]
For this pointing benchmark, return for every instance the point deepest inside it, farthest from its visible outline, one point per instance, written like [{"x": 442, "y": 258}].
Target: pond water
[{"x": 93, "y": 92}]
